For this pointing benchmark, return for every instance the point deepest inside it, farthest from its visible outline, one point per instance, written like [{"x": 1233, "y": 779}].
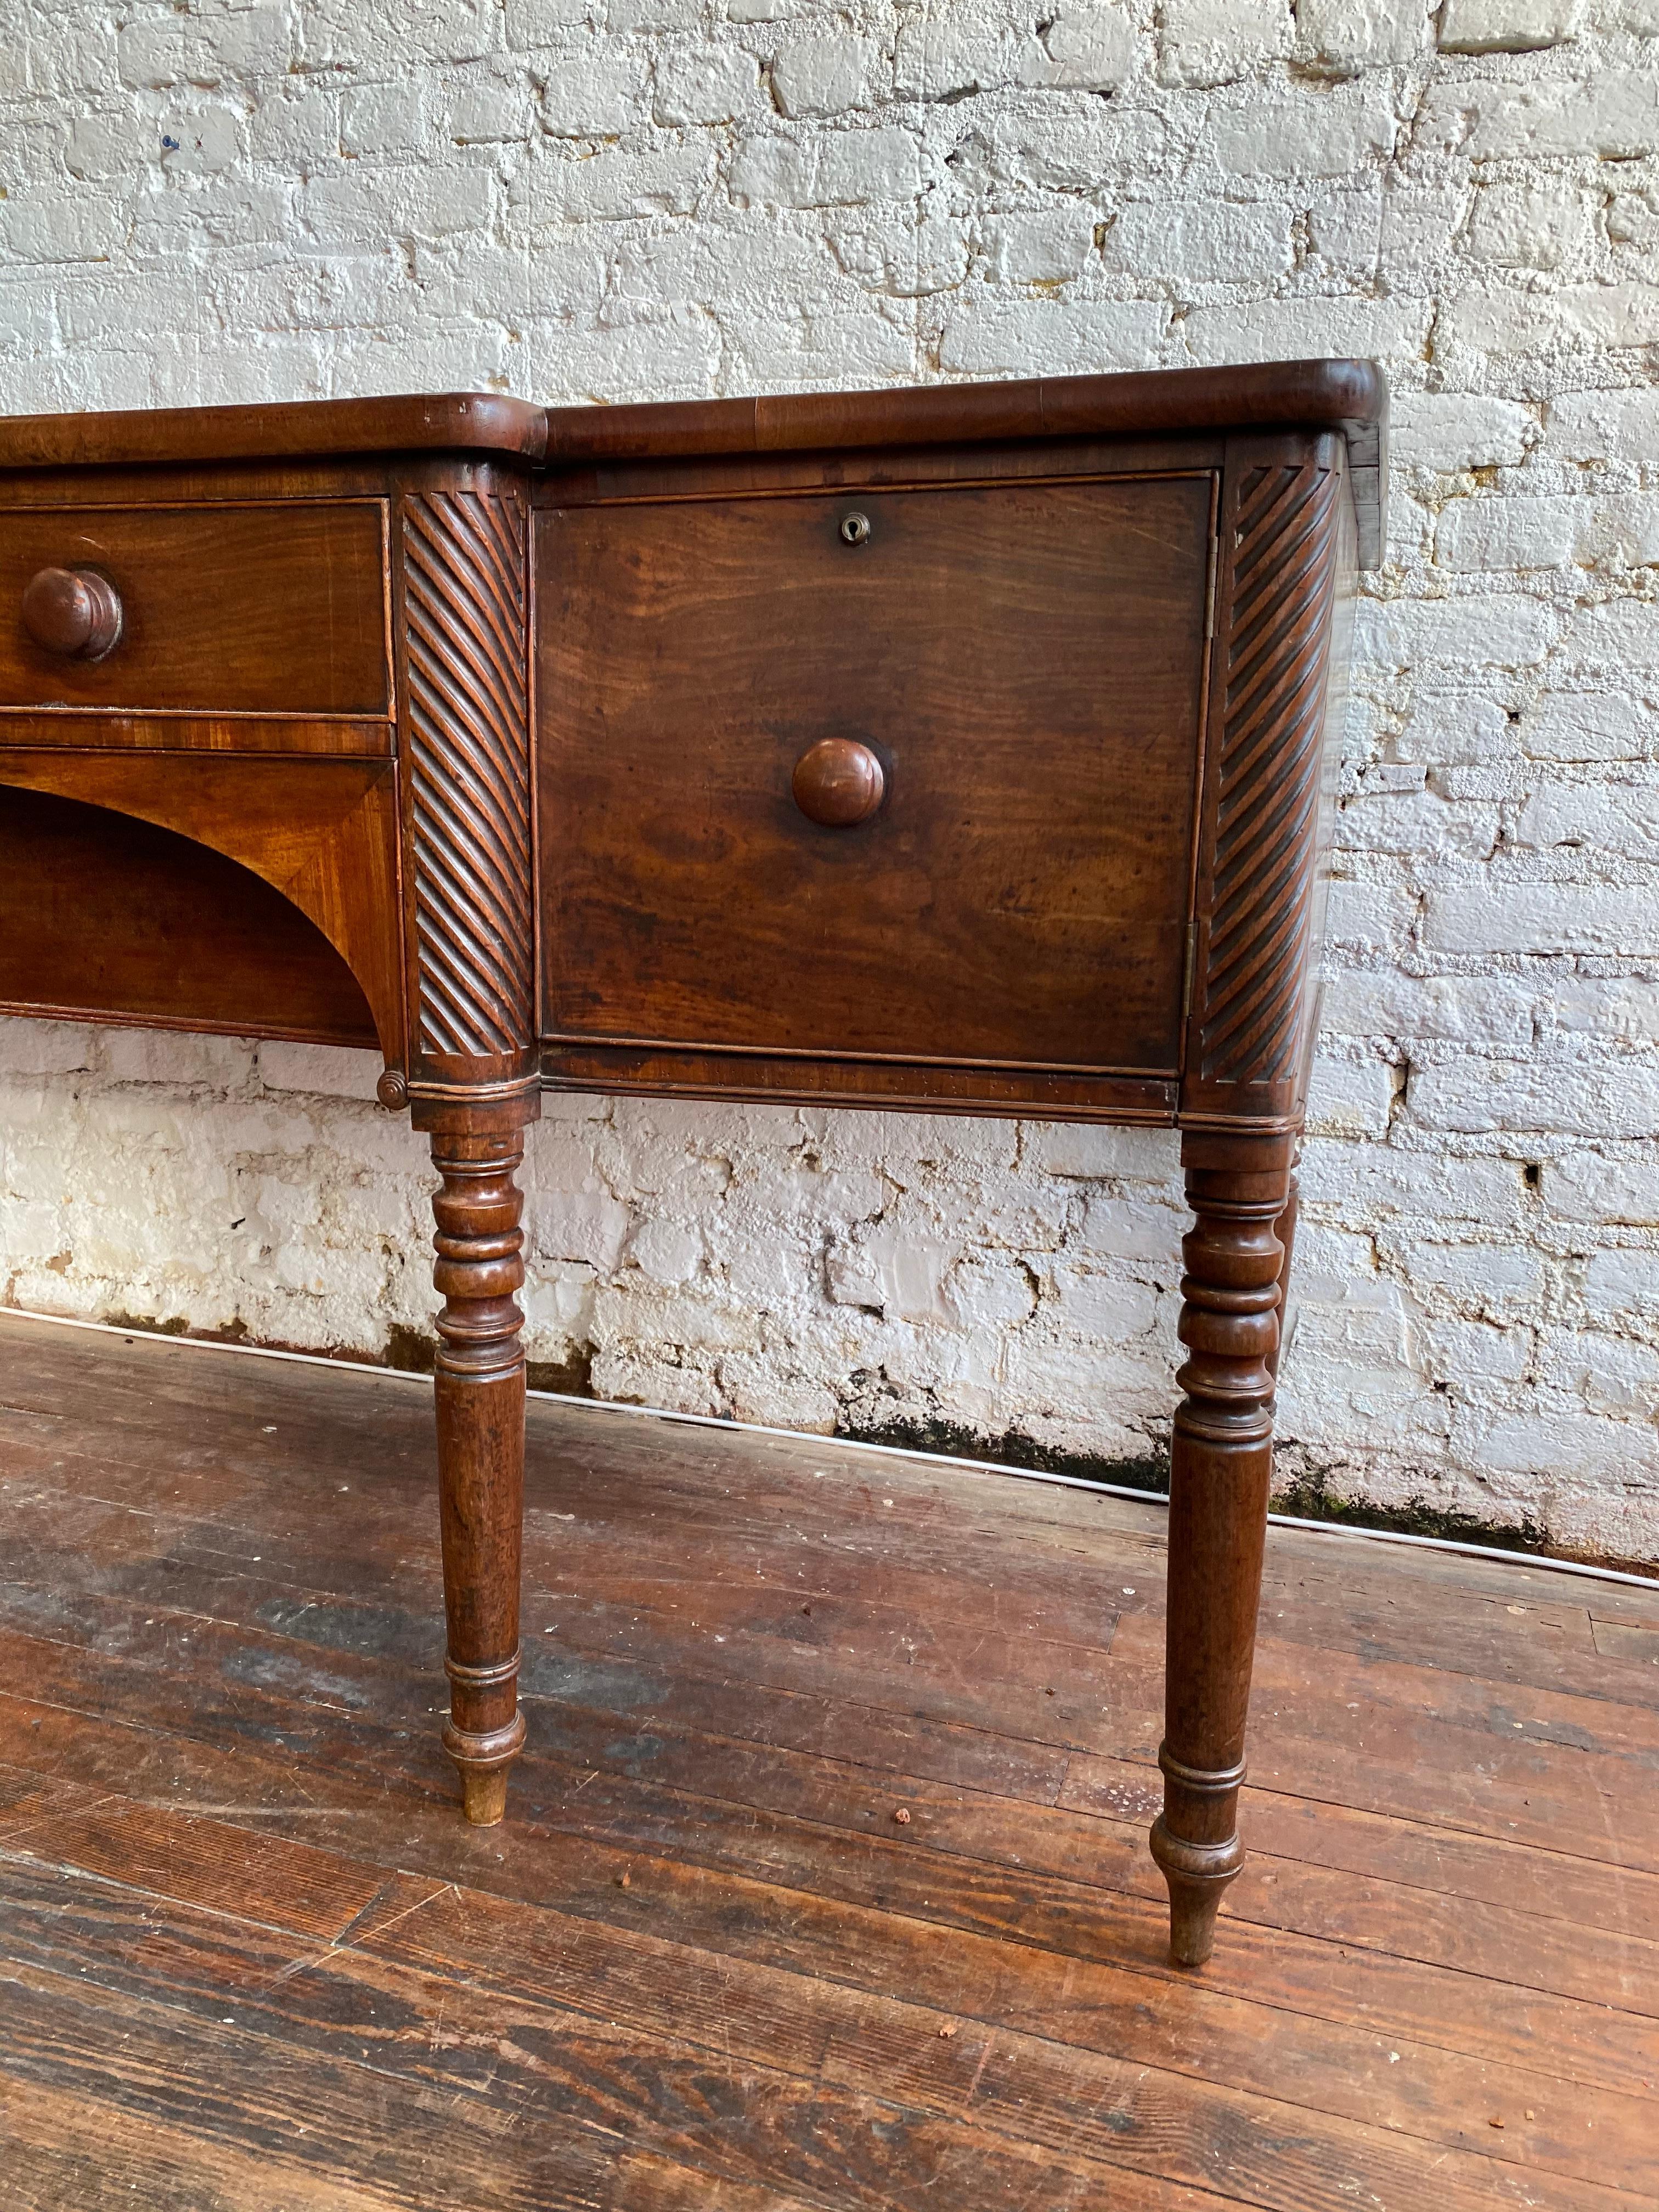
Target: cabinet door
[{"x": 1015, "y": 670}]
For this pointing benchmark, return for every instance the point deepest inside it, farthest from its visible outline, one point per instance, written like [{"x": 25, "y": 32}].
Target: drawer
[
  {"x": 1023, "y": 664},
  {"x": 273, "y": 609}
]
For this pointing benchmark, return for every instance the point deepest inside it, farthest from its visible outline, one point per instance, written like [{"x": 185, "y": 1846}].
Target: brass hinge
[{"x": 1191, "y": 970}]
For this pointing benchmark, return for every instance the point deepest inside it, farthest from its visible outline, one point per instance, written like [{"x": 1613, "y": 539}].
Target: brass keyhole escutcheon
[
  {"x": 855, "y": 528},
  {"x": 838, "y": 783}
]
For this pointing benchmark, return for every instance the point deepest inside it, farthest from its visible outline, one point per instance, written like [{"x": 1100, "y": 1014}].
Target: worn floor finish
[{"x": 824, "y": 1882}]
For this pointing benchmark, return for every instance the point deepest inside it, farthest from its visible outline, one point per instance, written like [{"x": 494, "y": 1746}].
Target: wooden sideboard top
[{"x": 1349, "y": 396}]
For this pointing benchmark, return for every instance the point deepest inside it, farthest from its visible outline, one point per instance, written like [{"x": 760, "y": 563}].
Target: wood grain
[
  {"x": 1024, "y": 663},
  {"x": 103, "y": 916},
  {"x": 324, "y": 836},
  {"x": 702, "y": 1957},
  {"x": 272, "y": 609}
]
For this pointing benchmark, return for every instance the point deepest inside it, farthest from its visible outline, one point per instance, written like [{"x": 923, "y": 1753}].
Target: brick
[
  {"x": 1497, "y": 630},
  {"x": 1211, "y": 42},
  {"x": 1372, "y": 918},
  {"x": 1423, "y": 823},
  {"x": 1388, "y": 1405},
  {"x": 1578, "y": 1097},
  {"x": 1587, "y": 726},
  {"x": 532, "y": 24},
  {"x": 1209, "y": 241},
  {"x": 1088, "y": 1151},
  {"x": 1507, "y": 26},
  {"x": 594, "y": 92},
  {"x": 851, "y": 169},
  {"x": 1052, "y": 248},
  {"x": 200, "y": 143},
  {"x": 574, "y": 1225},
  {"x": 1420, "y": 222},
  {"x": 385, "y": 118},
  {"x": 1529, "y": 226},
  {"x": 1306, "y": 134},
  {"x": 1515, "y": 915},
  {"x": 1103, "y": 1307},
  {"x": 1132, "y": 1229},
  {"x": 1487, "y": 1011},
  {"x": 973, "y": 48},
  {"x": 38, "y": 1048},
  {"x": 614, "y": 184},
  {"x": 1478, "y": 1353},
  {"x": 1087, "y": 49},
  {"x": 707, "y": 84},
  {"x": 105, "y": 146},
  {"x": 329, "y": 1071},
  {"x": 491, "y": 111},
  {"x": 171, "y": 1056},
  {"x": 1603, "y": 426},
  {"x": 1613, "y": 116},
  {"x": 1613, "y": 1374},
  {"x": 1349, "y": 1096},
  {"x": 61, "y": 227},
  {"x": 1348, "y": 36},
  {"x": 1577, "y": 319},
  {"x": 1623, "y": 1009},
  {"x": 1565, "y": 1447},
  {"x": 1364, "y": 1179},
  {"x": 826, "y": 75},
  {"x": 907, "y": 260},
  {"x": 1601, "y": 817},
  {"x": 1453, "y": 431},
  {"x": 1619, "y": 1187},
  {"x": 1445, "y": 726},
  {"x": 340, "y": 33},
  {"x": 956, "y": 52},
  {"x": 1508, "y": 533},
  {"x": 1483, "y": 1277},
  {"x": 1613, "y": 637},
  {"x": 1618, "y": 1285},
  {"x": 1054, "y": 339}
]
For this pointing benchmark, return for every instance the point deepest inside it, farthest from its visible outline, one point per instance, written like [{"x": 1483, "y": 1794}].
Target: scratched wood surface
[{"x": 824, "y": 1882}]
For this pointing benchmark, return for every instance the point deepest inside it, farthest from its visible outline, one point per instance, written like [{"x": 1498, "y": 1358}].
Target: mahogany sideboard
[{"x": 957, "y": 749}]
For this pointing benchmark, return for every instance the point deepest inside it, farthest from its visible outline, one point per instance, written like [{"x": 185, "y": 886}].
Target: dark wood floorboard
[{"x": 252, "y": 1957}]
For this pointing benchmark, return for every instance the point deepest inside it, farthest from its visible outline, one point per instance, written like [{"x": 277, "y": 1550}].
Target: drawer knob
[
  {"x": 838, "y": 782},
  {"x": 73, "y": 612}
]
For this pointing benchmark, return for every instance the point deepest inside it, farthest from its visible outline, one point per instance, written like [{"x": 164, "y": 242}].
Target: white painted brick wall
[{"x": 611, "y": 199}]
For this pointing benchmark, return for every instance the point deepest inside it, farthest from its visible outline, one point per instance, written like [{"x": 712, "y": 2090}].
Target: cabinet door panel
[{"x": 1023, "y": 664}]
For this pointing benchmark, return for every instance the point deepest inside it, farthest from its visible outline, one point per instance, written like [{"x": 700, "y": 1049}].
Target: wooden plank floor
[{"x": 824, "y": 1882}]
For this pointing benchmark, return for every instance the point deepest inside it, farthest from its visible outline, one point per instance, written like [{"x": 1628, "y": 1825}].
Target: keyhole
[{"x": 855, "y": 528}]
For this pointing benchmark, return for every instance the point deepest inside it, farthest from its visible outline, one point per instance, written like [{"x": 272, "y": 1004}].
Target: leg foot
[
  {"x": 1221, "y": 1463},
  {"x": 1197, "y": 1873}
]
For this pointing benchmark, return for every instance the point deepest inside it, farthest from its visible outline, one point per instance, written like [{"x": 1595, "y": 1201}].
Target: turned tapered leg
[
  {"x": 480, "y": 1394},
  {"x": 1220, "y": 1475}
]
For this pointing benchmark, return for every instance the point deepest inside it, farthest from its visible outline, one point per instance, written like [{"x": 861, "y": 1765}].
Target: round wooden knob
[
  {"x": 73, "y": 612},
  {"x": 838, "y": 782}
]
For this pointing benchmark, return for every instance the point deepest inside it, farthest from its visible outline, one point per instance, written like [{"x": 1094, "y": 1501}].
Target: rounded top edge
[{"x": 304, "y": 429}]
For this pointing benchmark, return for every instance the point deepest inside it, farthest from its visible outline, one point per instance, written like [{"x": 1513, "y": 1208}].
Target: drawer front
[
  {"x": 1017, "y": 669},
  {"x": 273, "y": 609}
]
